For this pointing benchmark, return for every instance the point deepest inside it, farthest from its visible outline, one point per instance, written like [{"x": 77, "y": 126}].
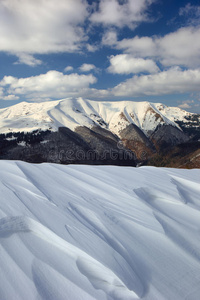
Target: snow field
[{"x": 98, "y": 232}]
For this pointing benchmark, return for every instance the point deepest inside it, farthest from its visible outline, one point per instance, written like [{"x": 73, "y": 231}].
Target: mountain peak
[
  {"x": 71, "y": 113},
  {"x": 92, "y": 131}
]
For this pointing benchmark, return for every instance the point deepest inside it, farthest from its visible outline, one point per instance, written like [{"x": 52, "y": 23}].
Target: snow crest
[
  {"x": 71, "y": 113},
  {"x": 98, "y": 232}
]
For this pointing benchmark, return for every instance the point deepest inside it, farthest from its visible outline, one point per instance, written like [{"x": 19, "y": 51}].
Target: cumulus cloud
[
  {"x": 120, "y": 13},
  {"x": 10, "y": 97},
  {"x": 92, "y": 93},
  {"x": 127, "y": 64},
  {"x": 181, "y": 47},
  {"x": 92, "y": 47},
  {"x": 56, "y": 85},
  {"x": 35, "y": 26},
  {"x": 186, "y": 104},
  {"x": 87, "y": 67},
  {"x": 68, "y": 69},
  {"x": 138, "y": 46},
  {"x": 52, "y": 85},
  {"x": 28, "y": 59},
  {"x": 7, "y": 97},
  {"x": 109, "y": 38},
  {"x": 171, "y": 81}
]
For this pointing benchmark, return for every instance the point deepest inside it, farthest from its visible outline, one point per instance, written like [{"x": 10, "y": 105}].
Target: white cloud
[
  {"x": 186, "y": 104},
  {"x": 56, "y": 85},
  {"x": 171, "y": 81},
  {"x": 121, "y": 13},
  {"x": 52, "y": 85},
  {"x": 138, "y": 46},
  {"x": 10, "y": 97},
  {"x": 7, "y": 97},
  {"x": 95, "y": 93},
  {"x": 28, "y": 59},
  {"x": 92, "y": 48},
  {"x": 127, "y": 64},
  {"x": 192, "y": 13},
  {"x": 35, "y": 26},
  {"x": 109, "y": 38},
  {"x": 87, "y": 67},
  {"x": 181, "y": 47},
  {"x": 68, "y": 69},
  {"x": 7, "y": 80}
]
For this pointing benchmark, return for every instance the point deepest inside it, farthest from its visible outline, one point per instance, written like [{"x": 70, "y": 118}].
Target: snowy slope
[
  {"x": 107, "y": 233},
  {"x": 71, "y": 113}
]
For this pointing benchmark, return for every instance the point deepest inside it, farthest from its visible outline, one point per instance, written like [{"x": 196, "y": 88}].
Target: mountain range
[{"x": 100, "y": 132}]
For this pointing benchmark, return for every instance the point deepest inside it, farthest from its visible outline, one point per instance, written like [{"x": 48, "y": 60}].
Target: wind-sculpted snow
[{"x": 98, "y": 232}]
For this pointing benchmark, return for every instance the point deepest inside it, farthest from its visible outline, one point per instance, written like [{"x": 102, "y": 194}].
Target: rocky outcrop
[{"x": 134, "y": 139}]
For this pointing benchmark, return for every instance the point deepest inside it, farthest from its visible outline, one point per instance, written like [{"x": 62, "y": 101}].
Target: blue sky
[{"x": 103, "y": 50}]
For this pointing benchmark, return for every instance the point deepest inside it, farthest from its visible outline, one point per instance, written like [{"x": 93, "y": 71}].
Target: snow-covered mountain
[
  {"x": 71, "y": 113},
  {"x": 98, "y": 232},
  {"x": 81, "y": 126}
]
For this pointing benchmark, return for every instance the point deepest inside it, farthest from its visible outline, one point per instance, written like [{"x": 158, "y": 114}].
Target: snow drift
[{"x": 98, "y": 232}]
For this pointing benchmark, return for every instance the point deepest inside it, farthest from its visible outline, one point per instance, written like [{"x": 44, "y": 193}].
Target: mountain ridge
[
  {"x": 143, "y": 128},
  {"x": 74, "y": 112}
]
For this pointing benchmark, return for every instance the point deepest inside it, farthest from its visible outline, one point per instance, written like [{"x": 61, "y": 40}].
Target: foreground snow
[{"x": 84, "y": 232}]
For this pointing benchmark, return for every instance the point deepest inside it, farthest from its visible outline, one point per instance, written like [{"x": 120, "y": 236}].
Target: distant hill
[{"x": 93, "y": 132}]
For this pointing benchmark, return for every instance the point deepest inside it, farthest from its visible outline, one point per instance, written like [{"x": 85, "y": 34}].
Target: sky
[{"x": 108, "y": 50}]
